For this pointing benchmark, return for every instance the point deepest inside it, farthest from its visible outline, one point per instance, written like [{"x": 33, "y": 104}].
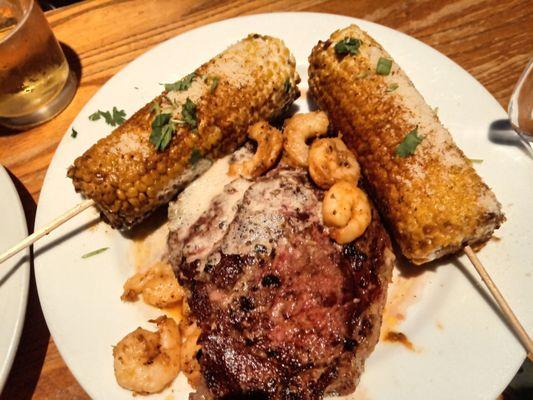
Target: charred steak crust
[{"x": 291, "y": 315}]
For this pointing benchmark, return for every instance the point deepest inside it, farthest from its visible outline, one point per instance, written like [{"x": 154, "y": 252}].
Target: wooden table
[{"x": 491, "y": 39}]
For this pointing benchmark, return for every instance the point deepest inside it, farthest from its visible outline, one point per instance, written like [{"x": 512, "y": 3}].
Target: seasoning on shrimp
[
  {"x": 298, "y": 130},
  {"x": 269, "y": 143},
  {"x": 158, "y": 286},
  {"x": 147, "y": 362},
  {"x": 346, "y": 210},
  {"x": 331, "y": 161}
]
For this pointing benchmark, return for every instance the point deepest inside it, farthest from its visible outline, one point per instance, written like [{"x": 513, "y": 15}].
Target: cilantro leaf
[
  {"x": 162, "y": 130},
  {"x": 166, "y": 134},
  {"x": 188, "y": 113},
  {"x": 108, "y": 117},
  {"x": 113, "y": 118},
  {"x": 214, "y": 84},
  {"x": 392, "y": 87},
  {"x": 196, "y": 156},
  {"x": 409, "y": 143},
  {"x": 74, "y": 133},
  {"x": 163, "y": 126},
  {"x": 183, "y": 84},
  {"x": 118, "y": 116},
  {"x": 347, "y": 45},
  {"x": 94, "y": 252},
  {"x": 95, "y": 116}
]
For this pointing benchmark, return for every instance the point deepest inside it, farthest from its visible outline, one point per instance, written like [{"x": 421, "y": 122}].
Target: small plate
[{"x": 14, "y": 274}]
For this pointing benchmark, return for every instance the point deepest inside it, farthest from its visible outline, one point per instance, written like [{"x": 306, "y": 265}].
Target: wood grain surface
[{"x": 491, "y": 39}]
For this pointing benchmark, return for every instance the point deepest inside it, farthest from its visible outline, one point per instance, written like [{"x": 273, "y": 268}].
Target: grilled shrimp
[
  {"x": 269, "y": 143},
  {"x": 331, "y": 161},
  {"x": 147, "y": 362},
  {"x": 158, "y": 286},
  {"x": 298, "y": 130},
  {"x": 346, "y": 210}
]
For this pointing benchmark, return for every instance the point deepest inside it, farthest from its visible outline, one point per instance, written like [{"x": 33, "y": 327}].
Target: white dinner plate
[
  {"x": 462, "y": 348},
  {"x": 14, "y": 274}
]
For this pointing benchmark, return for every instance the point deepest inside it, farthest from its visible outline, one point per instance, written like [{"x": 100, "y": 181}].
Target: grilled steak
[{"x": 285, "y": 312}]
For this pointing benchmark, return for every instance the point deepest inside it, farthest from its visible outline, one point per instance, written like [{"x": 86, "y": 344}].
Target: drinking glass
[{"x": 36, "y": 83}]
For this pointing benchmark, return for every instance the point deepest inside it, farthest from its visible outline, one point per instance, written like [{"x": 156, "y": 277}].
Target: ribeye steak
[{"x": 285, "y": 312}]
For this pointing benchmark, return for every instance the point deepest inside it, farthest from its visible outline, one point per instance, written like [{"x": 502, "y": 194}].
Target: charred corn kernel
[
  {"x": 147, "y": 180},
  {"x": 433, "y": 199},
  {"x": 257, "y": 80},
  {"x": 132, "y": 192},
  {"x": 116, "y": 206},
  {"x": 140, "y": 186}
]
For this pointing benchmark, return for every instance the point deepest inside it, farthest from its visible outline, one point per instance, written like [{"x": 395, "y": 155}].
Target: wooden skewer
[
  {"x": 46, "y": 229},
  {"x": 507, "y": 312}
]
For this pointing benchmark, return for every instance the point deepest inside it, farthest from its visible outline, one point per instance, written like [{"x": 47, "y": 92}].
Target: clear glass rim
[{"x": 31, "y": 4}]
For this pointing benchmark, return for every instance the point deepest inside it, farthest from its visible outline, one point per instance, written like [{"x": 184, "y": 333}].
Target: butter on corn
[
  {"x": 427, "y": 190},
  {"x": 129, "y": 178}
]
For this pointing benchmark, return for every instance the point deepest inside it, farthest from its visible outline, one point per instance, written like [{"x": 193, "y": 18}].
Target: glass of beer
[{"x": 36, "y": 83}]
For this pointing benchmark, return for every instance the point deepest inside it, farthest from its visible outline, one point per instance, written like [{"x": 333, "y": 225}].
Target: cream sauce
[
  {"x": 263, "y": 219},
  {"x": 196, "y": 198},
  {"x": 151, "y": 247},
  {"x": 213, "y": 197},
  {"x": 217, "y": 217}
]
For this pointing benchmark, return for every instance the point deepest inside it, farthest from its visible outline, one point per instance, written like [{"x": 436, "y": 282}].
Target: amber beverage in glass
[{"x": 35, "y": 80}]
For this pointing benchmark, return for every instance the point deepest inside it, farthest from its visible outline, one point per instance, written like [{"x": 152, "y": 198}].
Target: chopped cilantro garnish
[
  {"x": 166, "y": 134},
  {"x": 94, "y": 252},
  {"x": 163, "y": 126},
  {"x": 384, "y": 66},
  {"x": 347, "y": 45},
  {"x": 113, "y": 118},
  {"x": 409, "y": 143},
  {"x": 118, "y": 116},
  {"x": 188, "y": 113},
  {"x": 108, "y": 117},
  {"x": 392, "y": 87},
  {"x": 160, "y": 120},
  {"x": 162, "y": 131},
  {"x": 183, "y": 84},
  {"x": 196, "y": 156},
  {"x": 74, "y": 133},
  {"x": 95, "y": 116},
  {"x": 214, "y": 84}
]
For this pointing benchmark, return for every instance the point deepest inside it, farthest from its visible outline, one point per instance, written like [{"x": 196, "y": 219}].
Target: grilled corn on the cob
[
  {"x": 129, "y": 174},
  {"x": 434, "y": 201}
]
